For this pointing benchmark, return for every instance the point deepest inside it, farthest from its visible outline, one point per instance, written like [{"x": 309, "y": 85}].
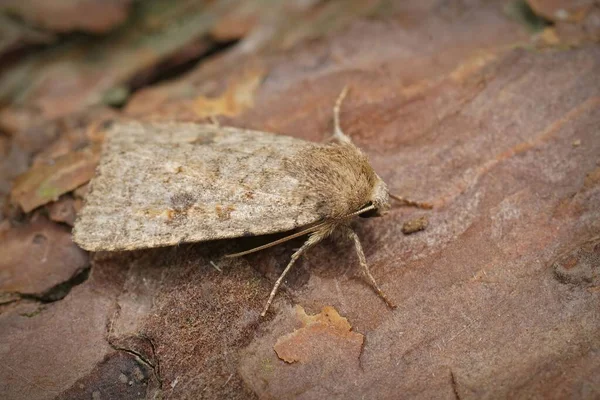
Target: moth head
[{"x": 380, "y": 198}]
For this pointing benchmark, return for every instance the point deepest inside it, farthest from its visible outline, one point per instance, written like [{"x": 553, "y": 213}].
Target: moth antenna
[
  {"x": 362, "y": 210},
  {"x": 412, "y": 203},
  {"x": 311, "y": 241},
  {"x": 363, "y": 263},
  {"x": 276, "y": 242},
  {"x": 294, "y": 235},
  {"x": 338, "y": 134}
]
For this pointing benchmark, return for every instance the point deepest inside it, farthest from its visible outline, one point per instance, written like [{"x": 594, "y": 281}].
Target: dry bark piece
[
  {"x": 17, "y": 119},
  {"x": 64, "y": 210},
  {"x": 81, "y": 191},
  {"x": 96, "y": 16},
  {"x": 237, "y": 23},
  {"x": 415, "y": 225},
  {"x": 281, "y": 25},
  {"x": 36, "y": 258},
  {"x": 78, "y": 75},
  {"x": 574, "y": 22},
  {"x": 14, "y": 161},
  {"x": 562, "y": 10},
  {"x": 71, "y": 133},
  {"x": 15, "y": 36},
  {"x": 238, "y": 96},
  {"x": 326, "y": 332},
  {"x": 45, "y": 183},
  {"x": 71, "y": 332}
]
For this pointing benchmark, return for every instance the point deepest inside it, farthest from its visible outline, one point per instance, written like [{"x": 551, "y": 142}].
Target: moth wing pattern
[{"x": 161, "y": 184}]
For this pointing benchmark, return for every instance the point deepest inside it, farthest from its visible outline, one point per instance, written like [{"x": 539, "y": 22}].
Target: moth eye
[{"x": 370, "y": 213}]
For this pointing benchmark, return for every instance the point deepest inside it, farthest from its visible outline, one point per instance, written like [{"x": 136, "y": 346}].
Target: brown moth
[{"x": 161, "y": 184}]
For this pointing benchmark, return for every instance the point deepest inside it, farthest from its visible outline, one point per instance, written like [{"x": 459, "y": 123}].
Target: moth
[{"x": 162, "y": 184}]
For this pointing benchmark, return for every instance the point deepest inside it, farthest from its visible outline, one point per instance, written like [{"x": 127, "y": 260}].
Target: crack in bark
[
  {"x": 57, "y": 292},
  {"x": 170, "y": 69},
  {"x": 360, "y": 354},
  {"x": 140, "y": 357},
  {"x": 454, "y": 385},
  {"x": 111, "y": 337},
  {"x": 157, "y": 360}
]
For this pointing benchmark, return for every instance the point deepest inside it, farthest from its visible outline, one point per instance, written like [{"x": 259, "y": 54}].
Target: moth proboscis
[{"x": 161, "y": 184}]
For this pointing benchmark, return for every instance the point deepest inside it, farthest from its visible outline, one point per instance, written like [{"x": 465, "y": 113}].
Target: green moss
[
  {"x": 32, "y": 313},
  {"x": 116, "y": 96},
  {"x": 48, "y": 191}
]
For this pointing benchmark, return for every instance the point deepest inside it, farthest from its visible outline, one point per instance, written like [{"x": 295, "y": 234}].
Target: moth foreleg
[
  {"x": 363, "y": 263},
  {"x": 313, "y": 239}
]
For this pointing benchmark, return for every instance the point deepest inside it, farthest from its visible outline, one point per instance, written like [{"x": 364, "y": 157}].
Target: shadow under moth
[{"x": 161, "y": 184}]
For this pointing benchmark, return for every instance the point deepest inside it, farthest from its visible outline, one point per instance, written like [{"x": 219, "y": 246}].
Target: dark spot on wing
[
  {"x": 248, "y": 234},
  {"x": 182, "y": 201},
  {"x": 180, "y": 204}
]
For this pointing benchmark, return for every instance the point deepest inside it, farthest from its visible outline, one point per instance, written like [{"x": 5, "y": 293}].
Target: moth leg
[
  {"x": 338, "y": 134},
  {"x": 311, "y": 241},
  {"x": 363, "y": 263},
  {"x": 412, "y": 203}
]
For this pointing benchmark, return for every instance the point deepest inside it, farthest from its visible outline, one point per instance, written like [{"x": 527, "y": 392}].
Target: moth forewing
[{"x": 161, "y": 184}]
